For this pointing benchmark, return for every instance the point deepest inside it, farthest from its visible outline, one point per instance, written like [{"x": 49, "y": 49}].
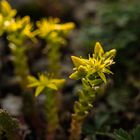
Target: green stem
[
  {"x": 81, "y": 110},
  {"x": 20, "y": 63},
  {"x": 54, "y": 59},
  {"x": 51, "y": 114},
  {"x": 22, "y": 71}
]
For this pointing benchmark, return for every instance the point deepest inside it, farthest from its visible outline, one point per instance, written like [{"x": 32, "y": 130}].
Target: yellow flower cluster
[
  {"x": 54, "y": 32},
  {"x": 6, "y": 14},
  {"x": 19, "y": 30},
  {"x": 6, "y": 11},
  {"x": 95, "y": 66},
  {"x": 15, "y": 27},
  {"x": 17, "y": 24}
]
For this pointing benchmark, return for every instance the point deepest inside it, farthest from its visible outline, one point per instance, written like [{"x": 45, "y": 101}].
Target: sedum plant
[
  {"x": 92, "y": 73},
  {"x": 49, "y": 86},
  {"x": 18, "y": 30},
  {"x": 54, "y": 34}
]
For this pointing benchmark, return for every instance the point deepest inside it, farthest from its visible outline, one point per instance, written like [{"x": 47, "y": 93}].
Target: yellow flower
[
  {"x": 20, "y": 29},
  {"x": 54, "y": 32},
  {"x": 44, "y": 82},
  {"x": 95, "y": 66},
  {"x": 6, "y": 10}
]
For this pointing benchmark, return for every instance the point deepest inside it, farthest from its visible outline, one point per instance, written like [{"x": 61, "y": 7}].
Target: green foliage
[
  {"x": 137, "y": 133},
  {"x": 114, "y": 21},
  {"x": 8, "y": 125},
  {"x": 124, "y": 135},
  {"x": 119, "y": 99}
]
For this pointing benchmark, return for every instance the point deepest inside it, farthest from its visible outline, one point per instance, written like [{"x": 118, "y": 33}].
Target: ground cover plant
[{"x": 44, "y": 96}]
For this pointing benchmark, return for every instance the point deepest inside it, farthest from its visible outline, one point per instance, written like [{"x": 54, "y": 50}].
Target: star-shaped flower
[
  {"x": 44, "y": 82},
  {"x": 95, "y": 67}
]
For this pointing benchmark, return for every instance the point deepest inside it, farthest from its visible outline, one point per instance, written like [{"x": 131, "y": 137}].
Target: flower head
[
  {"x": 6, "y": 15},
  {"x": 54, "y": 31},
  {"x": 6, "y": 10},
  {"x": 44, "y": 82},
  {"x": 96, "y": 66},
  {"x": 20, "y": 29}
]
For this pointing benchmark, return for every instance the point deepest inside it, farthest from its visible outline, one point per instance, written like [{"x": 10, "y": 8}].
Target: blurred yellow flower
[
  {"x": 6, "y": 10},
  {"x": 44, "y": 82},
  {"x": 53, "y": 31}
]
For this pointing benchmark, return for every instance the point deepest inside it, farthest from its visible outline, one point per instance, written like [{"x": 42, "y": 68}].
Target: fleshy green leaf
[
  {"x": 77, "y": 106},
  {"x": 101, "y": 74},
  {"x": 82, "y": 70},
  {"x": 96, "y": 82},
  {"x": 74, "y": 76},
  {"x": 110, "y": 54},
  {"x": 105, "y": 70}
]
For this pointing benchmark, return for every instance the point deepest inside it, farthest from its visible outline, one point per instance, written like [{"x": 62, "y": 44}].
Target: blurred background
[{"x": 115, "y": 24}]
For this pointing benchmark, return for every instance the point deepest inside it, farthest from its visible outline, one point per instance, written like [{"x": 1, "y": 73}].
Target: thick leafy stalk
[
  {"x": 81, "y": 110},
  {"x": 22, "y": 71},
  {"x": 54, "y": 59},
  {"x": 91, "y": 72},
  {"x": 75, "y": 129},
  {"x": 49, "y": 86},
  {"x": 20, "y": 64},
  {"x": 51, "y": 114}
]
